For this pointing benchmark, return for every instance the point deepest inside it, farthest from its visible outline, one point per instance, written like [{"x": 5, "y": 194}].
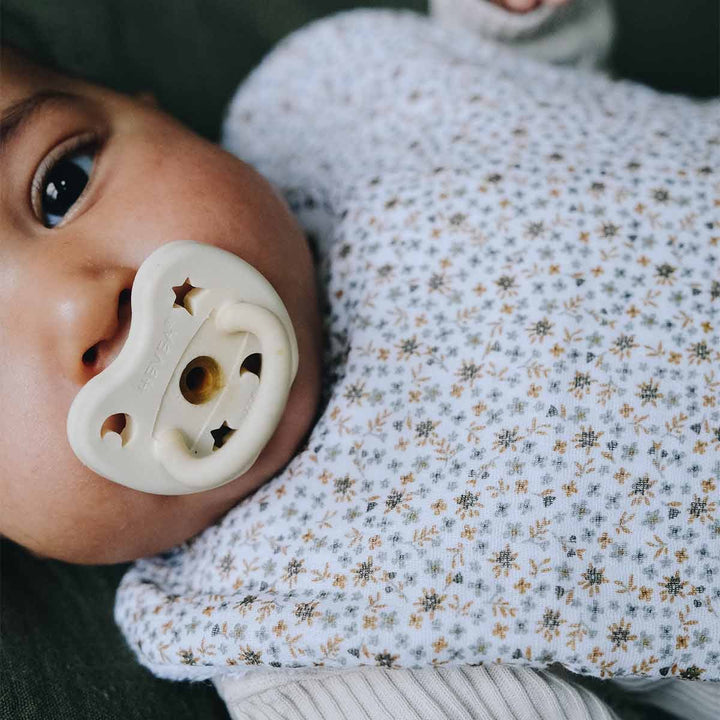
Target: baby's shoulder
[
  {"x": 346, "y": 57},
  {"x": 368, "y": 35}
]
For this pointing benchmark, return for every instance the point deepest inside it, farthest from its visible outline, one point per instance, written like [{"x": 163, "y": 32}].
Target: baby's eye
[{"x": 61, "y": 182}]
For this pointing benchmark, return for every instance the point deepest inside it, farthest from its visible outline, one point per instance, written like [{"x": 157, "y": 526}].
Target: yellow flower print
[
  {"x": 649, "y": 392},
  {"x": 702, "y": 509},
  {"x": 587, "y": 439},
  {"x": 608, "y": 230},
  {"x": 246, "y": 604},
  {"x": 397, "y": 500},
  {"x": 521, "y": 486},
  {"x": 365, "y": 572},
  {"x": 468, "y": 505},
  {"x": 226, "y": 564},
  {"x": 439, "y": 645},
  {"x": 535, "y": 229},
  {"x": 593, "y": 579},
  {"x": 469, "y": 372},
  {"x": 424, "y": 430},
  {"x": 626, "y": 410},
  {"x": 665, "y": 274},
  {"x": 507, "y": 439},
  {"x": 293, "y": 570},
  {"x": 534, "y": 390},
  {"x": 343, "y": 488},
  {"x": 248, "y": 656},
  {"x": 539, "y": 330},
  {"x": 500, "y": 630},
  {"x": 699, "y": 353},
  {"x": 507, "y": 287},
  {"x": 339, "y": 581},
  {"x": 549, "y": 625},
  {"x": 620, "y": 635},
  {"x": 660, "y": 195},
  {"x": 385, "y": 659},
  {"x": 440, "y": 282},
  {"x": 430, "y": 602},
  {"x": 672, "y": 587},
  {"x": 306, "y": 612},
  {"x": 715, "y": 437},
  {"x": 623, "y": 346},
  {"x": 355, "y": 393},
  {"x": 504, "y": 561},
  {"x": 640, "y": 490},
  {"x": 479, "y": 409},
  {"x": 408, "y": 348},
  {"x": 188, "y": 657},
  {"x": 580, "y": 385},
  {"x": 438, "y": 507},
  {"x": 622, "y": 475}
]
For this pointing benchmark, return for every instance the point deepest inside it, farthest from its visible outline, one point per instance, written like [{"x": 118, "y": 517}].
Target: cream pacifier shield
[{"x": 201, "y": 383}]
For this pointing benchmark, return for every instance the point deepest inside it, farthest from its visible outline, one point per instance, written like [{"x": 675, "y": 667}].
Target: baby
[
  {"x": 92, "y": 183},
  {"x": 481, "y": 314}
]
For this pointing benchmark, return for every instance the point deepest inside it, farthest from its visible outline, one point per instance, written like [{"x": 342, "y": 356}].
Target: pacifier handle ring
[{"x": 241, "y": 450}]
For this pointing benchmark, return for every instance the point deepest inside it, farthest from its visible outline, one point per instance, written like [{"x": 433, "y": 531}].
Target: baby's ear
[{"x": 147, "y": 98}]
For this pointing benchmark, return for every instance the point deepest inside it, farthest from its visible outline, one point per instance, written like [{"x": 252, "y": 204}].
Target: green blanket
[{"x": 62, "y": 658}]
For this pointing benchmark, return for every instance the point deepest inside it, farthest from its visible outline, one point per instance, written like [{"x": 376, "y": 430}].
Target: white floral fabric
[{"x": 518, "y": 455}]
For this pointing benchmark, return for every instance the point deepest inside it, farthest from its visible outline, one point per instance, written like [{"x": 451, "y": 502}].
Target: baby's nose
[{"x": 94, "y": 322}]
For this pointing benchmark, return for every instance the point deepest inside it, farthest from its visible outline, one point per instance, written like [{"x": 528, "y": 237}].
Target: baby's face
[{"x": 92, "y": 182}]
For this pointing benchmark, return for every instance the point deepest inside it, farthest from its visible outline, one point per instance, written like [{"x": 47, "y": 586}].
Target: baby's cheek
[
  {"x": 51, "y": 503},
  {"x": 78, "y": 516}
]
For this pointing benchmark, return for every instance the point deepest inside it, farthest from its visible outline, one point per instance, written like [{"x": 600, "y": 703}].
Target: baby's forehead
[{"x": 22, "y": 78}]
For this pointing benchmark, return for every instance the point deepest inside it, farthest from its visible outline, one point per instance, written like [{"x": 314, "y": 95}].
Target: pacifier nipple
[{"x": 201, "y": 383}]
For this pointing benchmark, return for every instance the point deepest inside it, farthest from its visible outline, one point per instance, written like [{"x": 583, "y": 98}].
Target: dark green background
[
  {"x": 61, "y": 655},
  {"x": 192, "y": 53}
]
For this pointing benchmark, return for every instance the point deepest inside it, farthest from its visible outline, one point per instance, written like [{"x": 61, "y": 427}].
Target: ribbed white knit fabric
[{"x": 487, "y": 692}]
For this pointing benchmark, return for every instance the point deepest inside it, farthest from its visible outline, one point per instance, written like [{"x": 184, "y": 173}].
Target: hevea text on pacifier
[{"x": 201, "y": 383}]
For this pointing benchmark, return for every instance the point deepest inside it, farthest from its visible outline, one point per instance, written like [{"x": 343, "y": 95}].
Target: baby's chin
[
  {"x": 90, "y": 520},
  {"x": 119, "y": 524}
]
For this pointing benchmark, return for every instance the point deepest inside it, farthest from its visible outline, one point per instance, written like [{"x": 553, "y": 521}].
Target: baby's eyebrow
[{"x": 20, "y": 114}]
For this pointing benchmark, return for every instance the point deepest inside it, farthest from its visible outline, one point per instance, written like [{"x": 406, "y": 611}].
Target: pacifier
[{"x": 201, "y": 383}]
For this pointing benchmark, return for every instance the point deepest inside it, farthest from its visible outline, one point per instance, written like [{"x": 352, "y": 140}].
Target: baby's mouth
[
  {"x": 101, "y": 355},
  {"x": 167, "y": 386}
]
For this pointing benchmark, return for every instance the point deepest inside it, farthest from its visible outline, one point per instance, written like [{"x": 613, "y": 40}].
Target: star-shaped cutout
[
  {"x": 181, "y": 292},
  {"x": 221, "y": 435}
]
